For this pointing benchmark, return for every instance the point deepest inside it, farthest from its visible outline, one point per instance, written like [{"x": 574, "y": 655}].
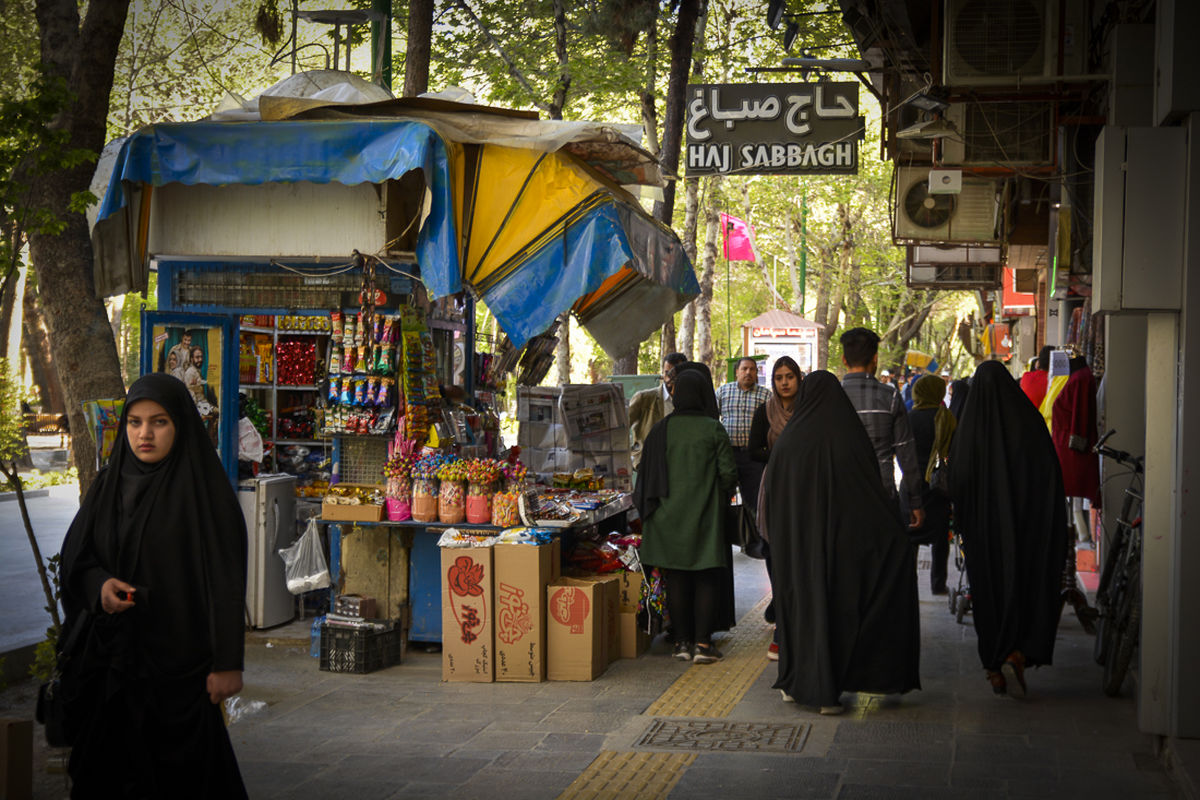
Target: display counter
[{"x": 398, "y": 563}]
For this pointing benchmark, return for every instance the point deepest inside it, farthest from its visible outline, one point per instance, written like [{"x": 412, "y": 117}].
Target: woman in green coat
[{"x": 686, "y": 478}]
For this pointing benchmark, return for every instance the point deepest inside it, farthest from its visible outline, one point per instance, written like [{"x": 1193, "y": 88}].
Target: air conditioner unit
[
  {"x": 1000, "y": 134},
  {"x": 1010, "y": 42},
  {"x": 954, "y": 267},
  {"x": 971, "y": 216}
]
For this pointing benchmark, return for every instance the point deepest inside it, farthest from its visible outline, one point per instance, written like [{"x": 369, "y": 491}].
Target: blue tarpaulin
[{"x": 349, "y": 152}]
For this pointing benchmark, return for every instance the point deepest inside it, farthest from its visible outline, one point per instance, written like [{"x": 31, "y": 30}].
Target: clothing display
[
  {"x": 174, "y": 530},
  {"x": 843, "y": 568},
  {"x": 1075, "y": 431},
  {"x": 1009, "y": 510}
]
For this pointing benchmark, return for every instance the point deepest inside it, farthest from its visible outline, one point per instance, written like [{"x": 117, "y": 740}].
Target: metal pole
[{"x": 728, "y": 309}]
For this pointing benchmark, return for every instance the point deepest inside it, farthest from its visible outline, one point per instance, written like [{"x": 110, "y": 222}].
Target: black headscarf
[
  {"x": 1009, "y": 509},
  {"x": 690, "y": 399},
  {"x": 709, "y": 397},
  {"x": 959, "y": 391},
  {"x": 843, "y": 571}
]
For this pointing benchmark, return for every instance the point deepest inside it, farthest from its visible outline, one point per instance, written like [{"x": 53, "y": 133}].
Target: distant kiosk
[{"x": 781, "y": 333}]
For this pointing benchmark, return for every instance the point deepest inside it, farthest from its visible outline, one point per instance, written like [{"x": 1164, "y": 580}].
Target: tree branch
[{"x": 508, "y": 62}]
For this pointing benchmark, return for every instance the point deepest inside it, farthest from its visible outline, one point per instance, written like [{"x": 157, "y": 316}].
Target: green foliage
[
  {"x": 44, "y": 659},
  {"x": 12, "y": 437},
  {"x": 36, "y": 479}
]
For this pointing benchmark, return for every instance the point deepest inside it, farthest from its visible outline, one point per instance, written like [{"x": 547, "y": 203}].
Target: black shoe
[
  {"x": 769, "y": 612},
  {"x": 706, "y": 654},
  {"x": 683, "y": 651},
  {"x": 940, "y": 589}
]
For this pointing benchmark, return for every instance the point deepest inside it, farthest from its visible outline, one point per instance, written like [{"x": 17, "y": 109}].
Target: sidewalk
[{"x": 655, "y": 727}]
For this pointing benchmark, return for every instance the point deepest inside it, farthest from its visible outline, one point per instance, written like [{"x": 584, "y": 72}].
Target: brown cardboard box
[
  {"x": 359, "y": 513},
  {"x": 522, "y": 572},
  {"x": 574, "y": 641},
  {"x": 610, "y": 623},
  {"x": 634, "y": 639},
  {"x": 631, "y": 590},
  {"x": 467, "y": 614}
]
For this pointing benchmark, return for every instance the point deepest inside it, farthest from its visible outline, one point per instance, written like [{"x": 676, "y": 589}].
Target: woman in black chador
[
  {"x": 154, "y": 569},
  {"x": 1009, "y": 510},
  {"x": 844, "y": 577}
]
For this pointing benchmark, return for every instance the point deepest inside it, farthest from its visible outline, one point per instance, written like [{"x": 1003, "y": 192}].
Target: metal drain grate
[{"x": 724, "y": 736}]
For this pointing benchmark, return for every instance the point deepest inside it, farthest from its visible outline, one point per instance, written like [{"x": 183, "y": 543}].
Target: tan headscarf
[
  {"x": 777, "y": 416},
  {"x": 928, "y": 393}
]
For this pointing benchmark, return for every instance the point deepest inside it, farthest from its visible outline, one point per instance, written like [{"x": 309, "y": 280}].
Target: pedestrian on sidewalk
[
  {"x": 932, "y": 427},
  {"x": 1009, "y": 509},
  {"x": 687, "y": 477},
  {"x": 769, "y": 421},
  {"x": 844, "y": 583},
  {"x": 154, "y": 567},
  {"x": 739, "y": 402}
]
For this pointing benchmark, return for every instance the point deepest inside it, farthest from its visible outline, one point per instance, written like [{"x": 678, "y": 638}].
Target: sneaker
[
  {"x": 832, "y": 711},
  {"x": 706, "y": 654},
  {"x": 683, "y": 651},
  {"x": 999, "y": 684},
  {"x": 773, "y": 652},
  {"x": 1013, "y": 670}
]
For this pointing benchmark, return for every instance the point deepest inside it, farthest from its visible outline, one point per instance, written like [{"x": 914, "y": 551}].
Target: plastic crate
[{"x": 359, "y": 651}]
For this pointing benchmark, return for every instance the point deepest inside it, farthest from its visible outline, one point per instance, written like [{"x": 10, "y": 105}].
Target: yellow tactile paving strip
[{"x": 705, "y": 690}]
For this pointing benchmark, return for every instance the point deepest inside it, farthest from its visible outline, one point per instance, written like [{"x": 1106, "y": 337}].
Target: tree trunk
[
  {"x": 81, "y": 341},
  {"x": 559, "y": 100},
  {"x": 682, "y": 41},
  {"x": 626, "y": 363},
  {"x": 712, "y": 219},
  {"x": 8, "y": 302},
  {"x": 648, "y": 94},
  {"x": 416, "y": 49},
  {"x": 667, "y": 342},
  {"x": 37, "y": 350},
  {"x": 790, "y": 229},
  {"x": 687, "y": 320},
  {"x": 562, "y": 350}
]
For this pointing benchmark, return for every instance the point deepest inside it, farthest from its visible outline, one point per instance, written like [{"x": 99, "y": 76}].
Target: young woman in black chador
[{"x": 154, "y": 569}]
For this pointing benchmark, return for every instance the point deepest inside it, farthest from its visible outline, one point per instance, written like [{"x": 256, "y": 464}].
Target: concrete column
[
  {"x": 1184, "y": 652},
  {"x": 1159, "y": 521},
  {"x": 1123, "y": 406}
]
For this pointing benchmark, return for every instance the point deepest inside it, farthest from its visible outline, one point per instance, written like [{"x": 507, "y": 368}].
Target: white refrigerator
[{"x": 269, "y": 506}]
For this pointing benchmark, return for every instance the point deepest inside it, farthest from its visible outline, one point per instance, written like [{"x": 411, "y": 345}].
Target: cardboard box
[
  {"x": 631, "y": 590},
  {"x": 574, "y": 640},
  {"x": 634, "y": 639},
  {"x": 467, "y": 614},
  {"x": 610, "y": 605},
  {"x": 522, "y": 572},
  {"x": 359, "y": 513}
]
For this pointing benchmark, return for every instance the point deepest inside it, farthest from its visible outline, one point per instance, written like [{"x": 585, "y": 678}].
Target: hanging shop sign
[{"x": 773, "y": 129}]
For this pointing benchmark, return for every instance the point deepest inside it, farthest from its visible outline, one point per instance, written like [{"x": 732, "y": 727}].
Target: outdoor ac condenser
[
  {"x": 1010, "y": 42},
  {"x": 971, "y": 216}
]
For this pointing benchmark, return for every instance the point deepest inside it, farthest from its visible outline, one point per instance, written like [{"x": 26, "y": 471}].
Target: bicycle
[{"x": 1119, "y": 593}]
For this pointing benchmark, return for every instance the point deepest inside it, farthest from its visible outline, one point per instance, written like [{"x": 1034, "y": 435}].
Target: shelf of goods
[{"x": 278, "y": 368}]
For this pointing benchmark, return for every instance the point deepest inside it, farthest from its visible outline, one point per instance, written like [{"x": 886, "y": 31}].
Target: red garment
[
  {"x": 1075, "y": 414},
  {"x": 1033, "y": 384}
]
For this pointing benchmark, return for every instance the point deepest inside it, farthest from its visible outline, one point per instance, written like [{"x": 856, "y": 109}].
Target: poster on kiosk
[{"x": 200, "y": 350}]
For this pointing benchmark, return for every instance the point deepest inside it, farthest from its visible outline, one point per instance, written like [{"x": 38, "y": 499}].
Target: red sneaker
[{"x": 773, "y": 652}]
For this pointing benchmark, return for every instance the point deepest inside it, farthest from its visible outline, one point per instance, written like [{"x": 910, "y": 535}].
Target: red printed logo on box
[
  {"x": 464, "y": 578},
  {"x": 513, "y": 620},
  {"x": 569, "y": 606}
]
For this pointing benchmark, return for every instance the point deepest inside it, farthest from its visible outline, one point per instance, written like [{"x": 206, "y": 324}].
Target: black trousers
[{"x": 692, "y": 600}]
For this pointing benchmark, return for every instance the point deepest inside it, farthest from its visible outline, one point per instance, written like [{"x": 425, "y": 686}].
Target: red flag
[{"x": 738, "y": 238}]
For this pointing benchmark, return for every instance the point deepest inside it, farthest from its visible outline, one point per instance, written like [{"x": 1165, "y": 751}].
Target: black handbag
[
  {"x": 939, "y": 479},
  {"x": 56, "y": 697},
  {"x": 741, "y": 530}
]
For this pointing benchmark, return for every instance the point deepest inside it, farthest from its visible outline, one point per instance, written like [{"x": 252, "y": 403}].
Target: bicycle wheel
[
  {"x": 1112, "y": 560},
  {"x": 1101, "y": 645},
  {"x": 1128, "y": 631}
]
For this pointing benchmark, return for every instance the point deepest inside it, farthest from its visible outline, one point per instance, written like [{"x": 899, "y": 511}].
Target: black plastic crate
[{"x": 359, "y": 651}]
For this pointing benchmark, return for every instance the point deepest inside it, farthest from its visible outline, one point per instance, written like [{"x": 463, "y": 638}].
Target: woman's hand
[
  {"x": 223, "y": 685},
  {"x": 109, "y": 600}
]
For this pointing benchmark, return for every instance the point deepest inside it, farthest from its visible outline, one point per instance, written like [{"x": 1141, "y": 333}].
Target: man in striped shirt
[
  {"x": 738, "y": 402},
  {"x": 882, "y": 413}
]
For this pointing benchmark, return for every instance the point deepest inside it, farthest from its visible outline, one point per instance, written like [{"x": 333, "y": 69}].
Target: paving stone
[
  {"x": 869, "y": 792},
  {"x": 896, "y": 773},
  {"x": 786, "y": 779},
  {"x": 555, "y": 742}
]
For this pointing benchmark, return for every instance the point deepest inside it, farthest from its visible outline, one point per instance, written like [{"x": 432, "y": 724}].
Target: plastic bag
[
  {"x": 238, "y": 708},
  {"x": 304, "y": 562}
]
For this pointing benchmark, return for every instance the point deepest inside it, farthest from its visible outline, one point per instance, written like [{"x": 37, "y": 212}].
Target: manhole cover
[{"x": 724, "y": 736}]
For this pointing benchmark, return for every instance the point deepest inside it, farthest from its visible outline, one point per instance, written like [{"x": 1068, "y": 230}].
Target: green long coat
[{"x": 687, "y": 531}]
